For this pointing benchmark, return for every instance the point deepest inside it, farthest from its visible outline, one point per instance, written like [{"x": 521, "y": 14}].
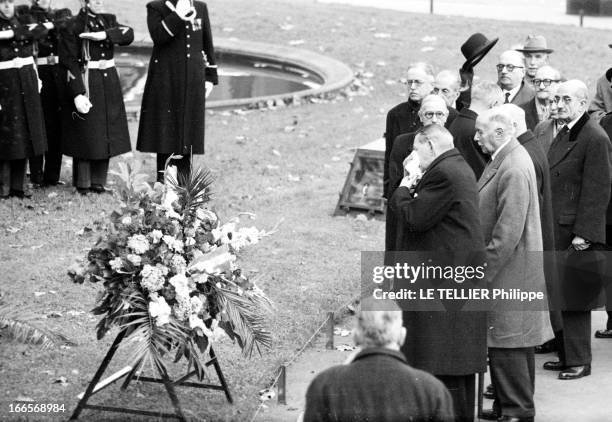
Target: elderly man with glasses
[
  {"x": 538, "y": 109},
  {"x": 403, "y": 118},
  {"x": 510, "y": 74}
]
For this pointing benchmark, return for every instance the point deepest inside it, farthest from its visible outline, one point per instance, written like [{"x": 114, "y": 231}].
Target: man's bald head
[
  {"x": 447, "y": 85},
  {"x": 517, "y": 115},
  {"x": 431, "y": 142}
]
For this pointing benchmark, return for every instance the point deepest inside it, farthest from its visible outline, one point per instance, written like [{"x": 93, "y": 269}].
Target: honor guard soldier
[
  {"x": 182, "y": 72},
  {"x": 22, "y": 129},
  {"x": 94, "y": 125},
  {"x": 48, "y": 174}
]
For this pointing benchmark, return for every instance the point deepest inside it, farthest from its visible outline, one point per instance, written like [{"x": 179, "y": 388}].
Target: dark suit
[
  {"x": 463, "y": 130},
  {"x": 402, "y": 147},
  {"x": 545, "y": 133},
  {"x": 525, "y": 93},
  {"x": 443, "y": 216},
  {"x": 377, "y": 386},
  {"x": 540, "y": 164},
  {"x": 403, "y": 118},
  {"x": 531, "y": 113},
  {"x": 580, "y": 182}
]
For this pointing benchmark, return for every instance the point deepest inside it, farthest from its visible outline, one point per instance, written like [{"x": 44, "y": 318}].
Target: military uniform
[
  {"x": 88, "y": 68},
  {"x": 183, "y": 58},
  {"x": 22, "y": 130},
  {"x": 52, "y": 87}
]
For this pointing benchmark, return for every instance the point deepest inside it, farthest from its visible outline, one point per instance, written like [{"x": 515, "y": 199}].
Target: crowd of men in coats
[
  {"x": 519, "y": 168},
  {"x": 60, "y": 92}
]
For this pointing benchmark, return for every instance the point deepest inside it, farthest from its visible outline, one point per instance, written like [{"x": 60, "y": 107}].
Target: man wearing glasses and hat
[{"x": 536, "y": 53}]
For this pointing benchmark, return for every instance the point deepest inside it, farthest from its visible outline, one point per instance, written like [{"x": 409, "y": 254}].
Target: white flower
[
  {"x": 182, "y": 309},
  {"x": 116, "y": 264},
  {"x": 134, "y": 259},
  {"x": 126, "y": 220},
  {"x": 244, "y": 237},
  {"x": 222, "y": 232},
  {"x": 153, "y": 278},
  {"x": 206, "y": 215},
  {"x": 181, "y": 286},
  {"x": 173, "y": 243},
  {"x": 178, "y": 263},
  {"x": 159, "y": 309},
  {"x": 196, "y": 322},
  {"x": 190, "y": 241},
  {"x": 196, "y": 304},
  {"x": 138, "y": 243},
  {"x": 156, "y": 236}
]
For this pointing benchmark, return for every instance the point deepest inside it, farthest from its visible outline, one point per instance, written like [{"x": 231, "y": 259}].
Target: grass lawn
[{"x": 311, "y": 266}]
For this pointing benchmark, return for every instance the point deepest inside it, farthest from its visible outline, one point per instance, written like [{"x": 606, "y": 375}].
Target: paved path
[
  {"x": 586, "y": 400},
  {"x": 549, "y": 11}
]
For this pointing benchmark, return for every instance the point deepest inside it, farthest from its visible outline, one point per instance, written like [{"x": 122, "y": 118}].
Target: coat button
[
  {"x": 105, "y": 75},
  {"x": 102, "y": 54},
  {"x": 188, "y": 36},
  {"x": 188, "y": 46},
  {"x": 155, "y": 60},
  {"x": 188, "y": 55}
]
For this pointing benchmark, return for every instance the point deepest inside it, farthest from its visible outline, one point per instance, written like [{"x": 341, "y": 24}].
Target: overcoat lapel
[
  {"x": 493, "y": 166},
  {"x": 559, "y": 151}
]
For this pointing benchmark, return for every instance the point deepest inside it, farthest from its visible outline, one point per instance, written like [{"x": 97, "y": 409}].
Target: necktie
[
  {"x": 563, "y": 133},
  {"x": 507, "y": 98}
]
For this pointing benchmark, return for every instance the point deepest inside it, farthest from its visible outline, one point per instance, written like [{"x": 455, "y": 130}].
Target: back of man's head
[
  {"x": 499, "y": 119},
  {"x": 379, "y": 324},
  {"x": 517, "y": 115},
  {"x": 438, "y": 135},
  {"x": 485, "y": 95}
]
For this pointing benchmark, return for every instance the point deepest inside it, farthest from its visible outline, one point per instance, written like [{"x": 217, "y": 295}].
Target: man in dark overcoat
[
  {"x": 377, "y": 385},
  {"x": 45, "y": 170},
  {"x": 606, "y": 124},
  {"x": 404, "y": 117},
  {"x": 579, "y": 160},
  {"x": 545, "y": 83},
  {"x": 484, "y": 96},
  {"x": 440, "y": 213},
  {"x": 433, "y": 110},
  {"x": 182, "y": 71},
  {"x": 22, "y": 130},
  {"x": 94, "y": 122}
]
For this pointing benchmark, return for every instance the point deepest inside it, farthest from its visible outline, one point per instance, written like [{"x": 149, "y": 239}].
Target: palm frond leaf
[
  {"x": 21, "y": 326},
  {"x": 193, "y": 188},
  {"x": 246, "y": 319}
]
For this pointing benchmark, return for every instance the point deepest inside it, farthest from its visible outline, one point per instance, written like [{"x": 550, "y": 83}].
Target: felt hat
[
  {"x": 535, "y": 44},
  {"x": 475, "y": 48}
]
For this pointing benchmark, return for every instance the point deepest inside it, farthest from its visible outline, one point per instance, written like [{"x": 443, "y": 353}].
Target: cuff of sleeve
[{"x": 211, "y": 74}]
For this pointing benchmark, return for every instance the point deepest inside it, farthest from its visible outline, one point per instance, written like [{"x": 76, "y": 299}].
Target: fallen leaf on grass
[
  {"x": 345, "y": 347},
  {"x": 296, "y": 42},
  {"x": 428, "y": 38},
  {"x": 12, "y": 230},
  {"x": 286, "y": 27},
  {"x": 228, "y": 29},
  {"x": 381, "y": 63},
  {"x": 293, "y": 178},
  {"x": 382, "y": 35},
  {"x": 334, "y": 158},
  {"x": 289, "y": 129},
  {"x": 341, "y": 332},
  {"x": 75, "y": 372},
  {"x": 75, "y": 313},
  {"x": 15, "y": 246},
  {"x": 47, "y": 372},
  {"x": 24, "y": 398},
  {"x": 62, "y": 381},
  {"x": 271, "y": 167},
  {"x": 37, "y": 294},
  {"x": 37, "y": 246},
  {"x": 52, "y": 195},
  {"x": 426, "y": 49},
  {"x": 266, "y": 394},
  {"x": 84, "y": 230},
  {"x": 54, "y": 315},
  {"x": 275, "y": 152}
]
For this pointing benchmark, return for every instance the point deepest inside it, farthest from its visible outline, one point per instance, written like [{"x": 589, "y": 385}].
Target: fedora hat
[
  {"x": 475, "y": 48},
  {"x": 535, "y": 44}
]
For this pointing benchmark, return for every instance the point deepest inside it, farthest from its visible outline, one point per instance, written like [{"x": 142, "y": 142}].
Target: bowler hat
[
  {"x": 475, "y": 48},
  {"x": 535, "y": 44}
]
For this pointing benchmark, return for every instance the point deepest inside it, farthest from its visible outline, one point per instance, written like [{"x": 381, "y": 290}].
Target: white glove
[
  {"x": 7, "y": 35},
  {"x": 49, "y": 25},
  {"x": 82, "y": 104},
  {"x": 40, "y": 84},
  {"x": 209, "y": 87},
  {"x": 94, "y": 36},
  {"x": 182, "y": 8}
]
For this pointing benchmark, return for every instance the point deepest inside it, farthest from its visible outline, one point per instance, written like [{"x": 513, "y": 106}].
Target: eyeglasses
[
  {"x": 430, "y": 114},
  {"x": 546, "y": 82},
  {"x": 444, "y": 91},
  {"x": 566, "y": 99},
  {"x": 510, "y": 67},
  {"x": 417, "y": 82}
]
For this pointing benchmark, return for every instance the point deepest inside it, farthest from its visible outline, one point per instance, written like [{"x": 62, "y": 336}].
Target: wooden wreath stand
[{"x": 96, "y": 386}]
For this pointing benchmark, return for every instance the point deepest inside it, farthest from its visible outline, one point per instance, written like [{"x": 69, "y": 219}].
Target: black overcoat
[
  {"x": 606, "y": 124},
  {"x": 402, "y": 147},
  {"x": 463, "y": 129},
  {"x": 531, "y": 113},
  {"x": 52, "y": 82},
  {"x": 103, "y": 132},
  {"x": 183, "y": 58},
  {"x": 580, "y": 184},
  {"x": 378, "y": 386},
  {"x": 442, "y": 216},
  {"x": 22, "y": 129},
  {"x": 540, "y": 163}
]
